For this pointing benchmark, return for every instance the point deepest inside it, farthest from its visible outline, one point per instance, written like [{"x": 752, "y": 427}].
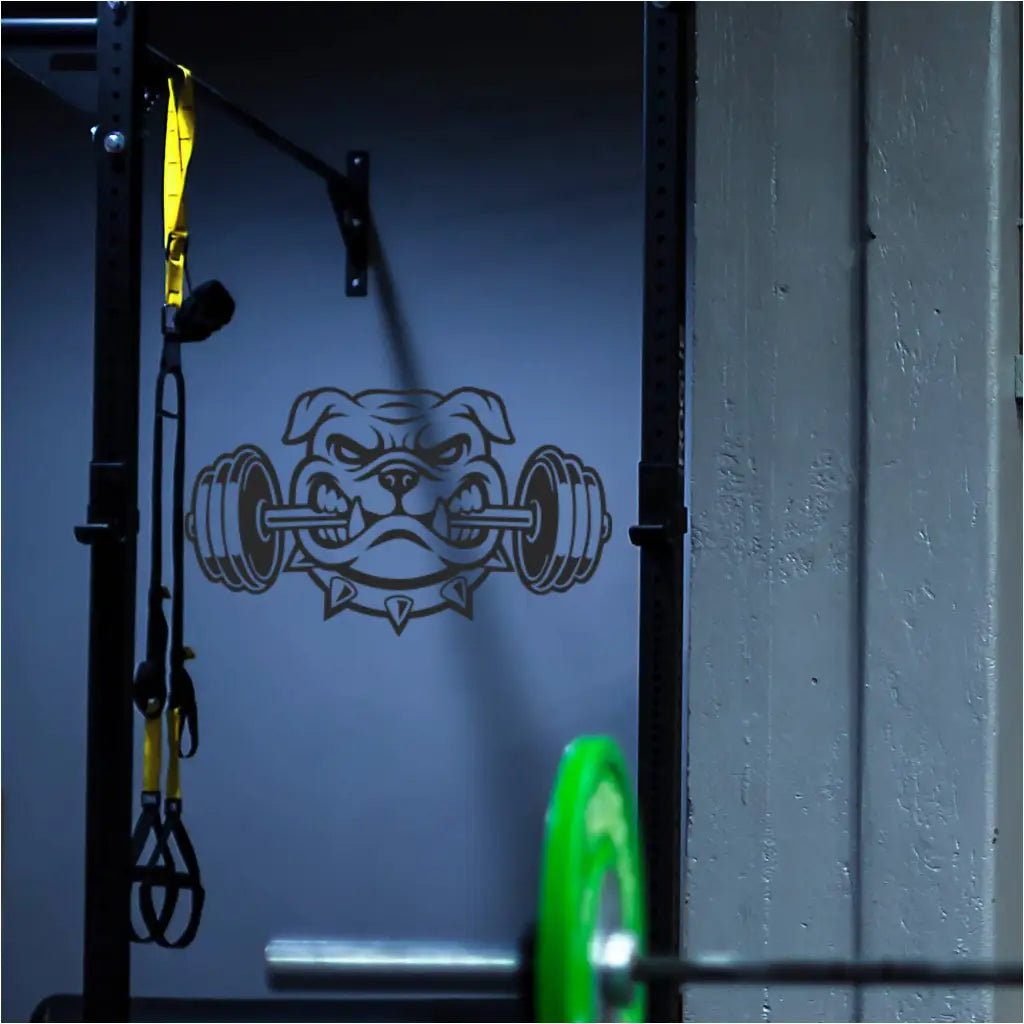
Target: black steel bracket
[
  {"x": 29, "y": 39},
  {"x": 108, "y": 486},
  {"x": 350, "y": 199},
  {"x": 663, "y": 519}
]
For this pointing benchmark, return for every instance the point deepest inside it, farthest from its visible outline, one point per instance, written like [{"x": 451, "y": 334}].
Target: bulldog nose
[{"x": 399, "y": 480}]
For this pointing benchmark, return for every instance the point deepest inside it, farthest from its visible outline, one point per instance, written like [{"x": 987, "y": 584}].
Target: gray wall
[
  {"x": 773, "y": 436},
  {"x": 350, "y": 781},
  {"x": 856, "y": 617}
]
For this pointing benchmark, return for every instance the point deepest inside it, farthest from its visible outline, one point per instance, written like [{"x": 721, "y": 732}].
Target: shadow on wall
[{"x": 400, "y": 508}]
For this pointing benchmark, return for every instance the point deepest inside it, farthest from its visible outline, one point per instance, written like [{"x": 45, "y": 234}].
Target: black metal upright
[
  {"x": 113, "y": 514},
  {"x": 669, "y": 38}
]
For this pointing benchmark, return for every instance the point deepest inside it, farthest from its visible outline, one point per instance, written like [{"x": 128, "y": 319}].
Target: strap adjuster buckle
[{"x": 177, "y": 246}]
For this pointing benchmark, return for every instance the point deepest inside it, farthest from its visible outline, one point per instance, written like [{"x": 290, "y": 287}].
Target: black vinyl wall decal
[{"x": 399, "y": 506}]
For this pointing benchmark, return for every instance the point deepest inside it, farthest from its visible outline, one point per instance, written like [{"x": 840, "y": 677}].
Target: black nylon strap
[
  {"x": 182, "y": 691},
  {"x": 161, "y": 870},
  {"x": 151, "y": 675}
]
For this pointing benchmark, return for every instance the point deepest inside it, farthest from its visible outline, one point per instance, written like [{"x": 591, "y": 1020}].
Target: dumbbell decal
[
  {"x": 225, "y": 522},
  {"x": 238, "y": 521},
  {"x": 560, "y": 543}
]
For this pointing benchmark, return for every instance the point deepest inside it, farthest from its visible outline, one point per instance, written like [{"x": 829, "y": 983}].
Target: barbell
[
  {"x": 586, "y": 959},
  {"x": 237, "y": 521}
]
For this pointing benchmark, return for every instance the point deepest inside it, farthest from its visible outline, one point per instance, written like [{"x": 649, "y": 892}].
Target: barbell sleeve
[
  {"x": 303, "y": 517},
  {"x": 367, "y": 967}
]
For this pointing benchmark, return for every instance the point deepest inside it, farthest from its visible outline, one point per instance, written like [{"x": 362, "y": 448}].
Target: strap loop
[
  {"x": 183, "y": 697},
  {"x": 150, "y": 687},
  {"x": 177, "y": 245}
]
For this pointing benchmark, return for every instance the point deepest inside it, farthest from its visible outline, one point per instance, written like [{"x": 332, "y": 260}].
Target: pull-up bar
[
  {"x": 48, "y": 31},
  {"x": 81, "y": 32}
]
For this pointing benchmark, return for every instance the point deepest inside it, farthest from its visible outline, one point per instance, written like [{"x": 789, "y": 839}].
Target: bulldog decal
[{"x": 398, "y": 506}]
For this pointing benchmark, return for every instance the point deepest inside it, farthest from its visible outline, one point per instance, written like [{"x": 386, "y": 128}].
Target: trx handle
[
  {"x": 181, "y": 119},
  {"x": 161, "y": 870},
  {"x": 150, "y": 824}
]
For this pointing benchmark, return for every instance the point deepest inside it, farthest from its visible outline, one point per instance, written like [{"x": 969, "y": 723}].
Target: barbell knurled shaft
[
  {"x": 355, "y": 966},
  {"x": 304, "y": 517},
  {"x": 826, "y": 972}
]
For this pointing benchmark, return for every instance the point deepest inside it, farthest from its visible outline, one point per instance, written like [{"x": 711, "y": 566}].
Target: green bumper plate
[{"x": 591, "y": 881}]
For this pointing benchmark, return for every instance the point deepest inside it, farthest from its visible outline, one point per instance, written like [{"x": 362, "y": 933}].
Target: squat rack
[{"x": 128, "y": 74}]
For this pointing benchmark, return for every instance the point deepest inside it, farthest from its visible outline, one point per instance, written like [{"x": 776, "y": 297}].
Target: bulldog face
[{"x": 400, "y": 465}]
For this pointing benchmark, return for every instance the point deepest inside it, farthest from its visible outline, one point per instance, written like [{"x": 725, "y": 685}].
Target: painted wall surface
[
  {"x": 350, "y": 780},
  {"x": 856, "y": 619}
]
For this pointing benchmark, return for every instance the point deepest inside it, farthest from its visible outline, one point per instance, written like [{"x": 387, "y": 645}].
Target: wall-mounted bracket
[
  {"x": 109, "y": 505},
  {"x": 350, "y": 198},
  {"x": 663, "y": 520}
]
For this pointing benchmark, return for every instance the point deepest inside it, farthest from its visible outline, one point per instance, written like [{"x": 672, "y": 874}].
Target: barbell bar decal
[
  {"x": 558, "y": 523},
  {"x": 302, "y": 517}
]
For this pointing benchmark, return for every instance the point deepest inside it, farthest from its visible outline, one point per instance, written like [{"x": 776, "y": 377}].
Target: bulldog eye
[
  {"x": 344, "y": 449},
  {"x": 449, "y": 453}
]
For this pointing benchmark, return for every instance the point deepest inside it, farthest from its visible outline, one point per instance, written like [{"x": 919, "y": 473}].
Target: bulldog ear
[
  {"x": 485, "y": 409},
  {"x": 311, "y": 409}
]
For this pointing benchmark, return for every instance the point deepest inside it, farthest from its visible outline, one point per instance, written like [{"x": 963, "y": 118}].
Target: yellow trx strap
[
  {"x": 173, "y": 791},
  {"x": 181, "y": 130},
  {"x": 172, "y": 867},
  {"x": 181, "y": 121},
  {"x": 152, "y": 755}
]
